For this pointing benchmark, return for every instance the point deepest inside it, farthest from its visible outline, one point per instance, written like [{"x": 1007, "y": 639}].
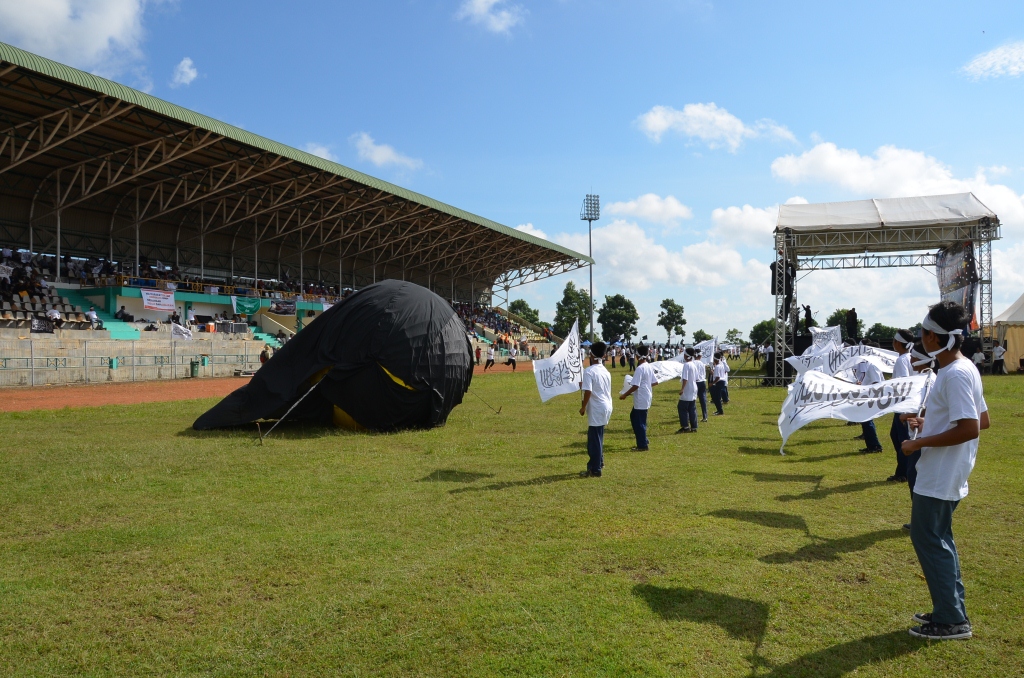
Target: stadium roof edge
[{"x": 53, "y": 69}]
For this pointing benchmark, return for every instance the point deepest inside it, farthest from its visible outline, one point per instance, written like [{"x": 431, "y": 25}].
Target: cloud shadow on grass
[
  {"x": 840, "y": 660},
  {"x": 453, "y": 476},
  {"x": 542, "y": 480},
  {"x": 782, "y": 521},
  {"x": 821, "y": 493},
  {"x": 830, "y": 549}
]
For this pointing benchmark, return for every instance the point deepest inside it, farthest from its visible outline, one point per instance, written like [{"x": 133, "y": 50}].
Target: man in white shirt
[
  {"x": 597, "y": 406},
  {"x": 998, "y": 351},
  {"x": 978, "y": 359},
  {"x": 53, "y": 315},
  {"x": 702, "y": 385},
  {"x": 94, "y": 320},
  {"x": 955, "y": 415},
  {"x": 687, "y": 405},
  {"x": 868, "y": 373},
  {"x": 512, "y": 353},
  {"x": 490, "y": 357},
  {"x": 719, "y": 379},
  {"x": 642, "y": 390},
  {"x": 725, "y": 382}
]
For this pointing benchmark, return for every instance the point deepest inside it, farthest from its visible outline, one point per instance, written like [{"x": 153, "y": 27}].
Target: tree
[
  {"x": 838, "y": 317},
  {"x": 523, "y": 310},
  {"x": 701, "y": 335},
  {"x": 671, "y": 318},
  {"x": 734, "y": 336},
  {"x": 618, "y": 318},
  {"x": 575, "y": 305},
  {"x": 762, "y": 331},
  {"x": 883, "y": 334}
]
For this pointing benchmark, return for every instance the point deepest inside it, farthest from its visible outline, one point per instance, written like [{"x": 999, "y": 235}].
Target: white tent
[
  {"x": 956, "y": 208},
  {"x": 1010, "y": 328}
]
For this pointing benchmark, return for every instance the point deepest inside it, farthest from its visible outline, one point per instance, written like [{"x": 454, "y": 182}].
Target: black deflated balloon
[{"x": 393, "y": 355}]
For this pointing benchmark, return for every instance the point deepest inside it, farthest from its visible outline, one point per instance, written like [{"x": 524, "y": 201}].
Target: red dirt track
[{"x": 129, "y": 393}]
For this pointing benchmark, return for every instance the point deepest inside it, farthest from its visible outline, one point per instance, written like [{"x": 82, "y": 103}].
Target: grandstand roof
[{"x": 106, "y": 156}]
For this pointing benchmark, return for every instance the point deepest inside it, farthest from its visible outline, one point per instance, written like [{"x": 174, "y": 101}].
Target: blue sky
[{"x": 692, "y": 120}]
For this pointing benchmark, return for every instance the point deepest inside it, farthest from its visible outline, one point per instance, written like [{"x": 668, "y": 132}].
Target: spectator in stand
[
  {"x": 94, "y": 320},
  {"x": 124, "y": 316},
  {"x": 54, "y": 315}
]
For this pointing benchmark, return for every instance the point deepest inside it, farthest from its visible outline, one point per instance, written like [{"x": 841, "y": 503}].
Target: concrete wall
[{"x": 67, "y": 361}]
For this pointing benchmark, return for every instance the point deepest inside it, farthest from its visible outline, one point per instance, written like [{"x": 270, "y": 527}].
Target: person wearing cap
[
  {"x": 687, "y": 405},
  {"x": 597, "y": 406},
  {"x": 642, "y": 390},
  {"x": 949, "y": 429},
  {"x": 902, "y": 342}
]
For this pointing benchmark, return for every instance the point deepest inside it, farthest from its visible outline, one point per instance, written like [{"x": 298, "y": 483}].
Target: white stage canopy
[{"x": 932, "y": 210}]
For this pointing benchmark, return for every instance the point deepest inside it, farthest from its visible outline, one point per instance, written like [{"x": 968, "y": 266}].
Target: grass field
[{"x": 131, "y": 545}]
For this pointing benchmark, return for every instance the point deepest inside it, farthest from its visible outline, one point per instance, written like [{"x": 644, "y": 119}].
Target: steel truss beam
[{"x": 826, "y": 263}]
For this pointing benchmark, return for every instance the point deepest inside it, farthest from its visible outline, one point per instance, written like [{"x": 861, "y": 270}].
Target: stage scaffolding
[{"x": 888, "y": 233}]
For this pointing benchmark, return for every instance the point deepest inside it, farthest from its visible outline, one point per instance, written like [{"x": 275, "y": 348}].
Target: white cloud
[
  {"x": 897, "y": 172},
  {"x": 752, "y": 226},
  {"x": 494, "y": 15},
  {"x": 1005, "y": 60},
  {"x": 97, "y": 35},
  {"x": 320, "y": 150},
  {"x": 714, "y": 126},
  {"x": 649, "y": 207},
  {"x": 184, "y": 73},
  {"x": 532, "y": 230},
  {"x": 628, "y": 258},
  {"x": 382, "y": 155}
]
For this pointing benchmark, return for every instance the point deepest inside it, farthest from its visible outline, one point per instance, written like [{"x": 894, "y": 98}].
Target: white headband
[
  {"x": 922, "y": 358},
  {"x": 935, "y": 328}
]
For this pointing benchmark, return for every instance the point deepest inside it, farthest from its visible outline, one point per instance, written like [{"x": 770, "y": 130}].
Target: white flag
[
  {"x": 666, "y": 370},
  {"x": 838, "y": 359},
  {"x": 563, "y": 371},
  {"x": 707, "y": 350},
  {"x": 179, "y": 332},
  {"x": 815, "y": 395},
  {"x": 627, "y": 381},
  {"x": 822, "y": 338}
]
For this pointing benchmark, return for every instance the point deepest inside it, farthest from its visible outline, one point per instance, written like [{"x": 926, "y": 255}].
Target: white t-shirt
[
  {"x": 643, "y": 379},
  {"x": 903, "y": 367},
  {"x": 769, "y": 349},
  {"x": 868, "y": 373},
  {"x": 490, "y": 353},
  {"x": 598, "y": 381},
  {"x": 721, "y": 371},
  {"x": 956, "y": 394},
  {"x": 53, "y": 314},
  {"x": 978, "y": 358},
  {"x": 690, "y": 371},
  {"x": 512, "y": 352},
  {"x": 998, "y": 352},
  {"x": 702, "y": 372}
]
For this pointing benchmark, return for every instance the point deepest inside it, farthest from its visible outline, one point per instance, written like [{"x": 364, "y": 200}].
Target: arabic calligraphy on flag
[{"x": 563, "y": 371}]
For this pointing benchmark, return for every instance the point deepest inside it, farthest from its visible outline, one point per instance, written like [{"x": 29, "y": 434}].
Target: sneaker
[
  {"x": 896, "y": 479},
  {"x": 638, "y": 449},
  {"x": 933, "y": 631},
  {"x": 717, "y": 414},
  {"x": 870, "y": 450},
  {"x": 683, "y": 430},
  {"x": 704, "y": 420},
  {"x": 923, "y": 617},
  {"x": 906, "y": 527},
  {"x": 589, "y": 474}
]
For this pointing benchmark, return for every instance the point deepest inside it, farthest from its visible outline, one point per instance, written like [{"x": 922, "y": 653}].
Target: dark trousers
[
  {"x": 595, "y": 448},
  {"x": 702, "y": 396},
  {"x": 912, "y": 471},
  {"x": 489, "y": 363},
  {"x": 870, "y": 435},
  {"x": 638, "y": 418},
  {"x": 716, "y": 396},
  {"x": 898, "y": 432},
  {"x": 931, "y": 531},
  {"x": 997, "y": 366},
  {"x": 687, "y": 414},
  {"x": 632, "y": 364},
  {"x": 725, "y": 392}
]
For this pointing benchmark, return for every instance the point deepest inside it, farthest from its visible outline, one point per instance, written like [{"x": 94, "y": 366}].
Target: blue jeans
[
  {"x": 931, "y": 531},
  {"x": 870, "y": 435},
  {"x": 638, "y": 418},
  {"x": 595, "y": 448},
  {"x": 716, "y": 395},
  {"x": 897, "y": 434},
  {"x": 687, "y": 414},
  {"x": 702, "y": 396}
]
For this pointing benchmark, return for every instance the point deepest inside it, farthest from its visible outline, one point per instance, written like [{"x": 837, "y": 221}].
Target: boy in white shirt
[
  {"x": 719, "y": 379},
  {"x": 490, "y": 357},
  {"x": 955, "y": 416},
  {"x": 597, "y": 406},
  {"x": 643, "y": 387},
  {"x": 688, "y": 393},
  {"x": 998, "y": 351}
]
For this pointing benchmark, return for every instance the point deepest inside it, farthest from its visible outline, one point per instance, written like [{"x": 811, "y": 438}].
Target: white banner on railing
[
  {"x": 155, "y": 300},
  {"x": 815, "y": 396},
  {"x": 563, "y": 372}
]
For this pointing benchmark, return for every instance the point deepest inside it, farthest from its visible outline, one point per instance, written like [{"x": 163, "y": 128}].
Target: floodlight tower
[{"x": 590, "y": 213}]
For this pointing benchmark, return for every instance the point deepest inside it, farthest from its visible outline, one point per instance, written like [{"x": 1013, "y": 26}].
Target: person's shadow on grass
[
  {"x": 829, "y": 549},
  {"x": 823, "y": 492},
  {"x": 781, "y": 521},
  {"x": 840, "y": 660},
  {"x": 542, "y": 480}
]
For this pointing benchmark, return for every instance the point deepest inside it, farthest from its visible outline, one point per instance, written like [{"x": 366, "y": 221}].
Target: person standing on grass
[
  {"x": 920, "y": 362},
  {"x": 642, "y": 390},
  {"x": 719, "y": 378},
  {"x": 955, "y": 415},
  {"x": 998, "y": 351},
  {"x": 902, "y": 342},
  {"x": 631, "y": 357},
  {"x": 725, "y": 381},
  {"x": 867, "y": 374},
  {"x": 687, "y": 405},
  {"x": 597, "y": 406},
  {"x": 702, "y": 385},
  {"x": 490, "y": 357}
]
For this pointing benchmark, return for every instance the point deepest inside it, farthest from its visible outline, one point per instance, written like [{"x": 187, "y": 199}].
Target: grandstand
[{"x": 106, "y": 191}]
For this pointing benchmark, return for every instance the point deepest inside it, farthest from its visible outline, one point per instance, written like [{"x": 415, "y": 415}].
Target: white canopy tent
[
  {"x": 931, "y": 210},
  {"x": 1010, "y": 328}
]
